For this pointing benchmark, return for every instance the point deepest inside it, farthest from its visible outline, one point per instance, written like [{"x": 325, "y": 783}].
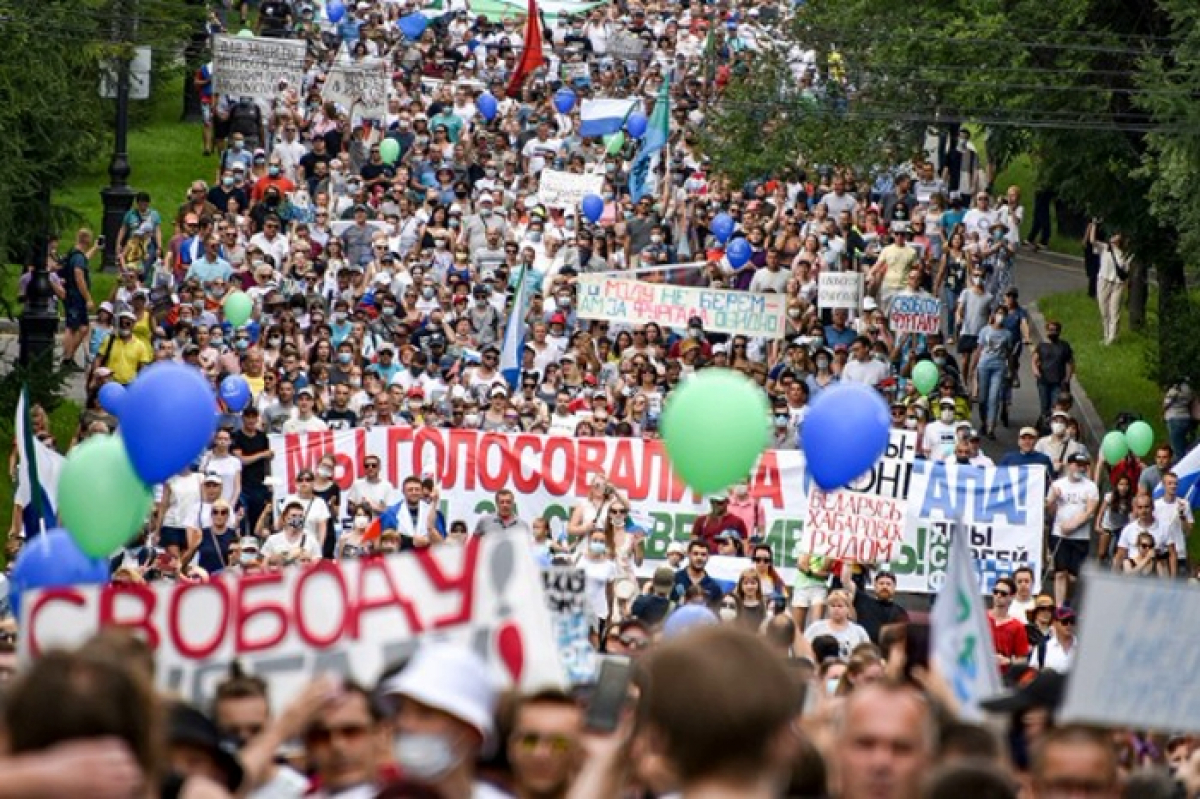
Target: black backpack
[{"x": 244, "y": 118}]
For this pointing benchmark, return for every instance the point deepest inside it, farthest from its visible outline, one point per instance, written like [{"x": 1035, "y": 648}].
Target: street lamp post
[
  {"x": 117, "y": 196},
  {"x": 39, "y": 317}
]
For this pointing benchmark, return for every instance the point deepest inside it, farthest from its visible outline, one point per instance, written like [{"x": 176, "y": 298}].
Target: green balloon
[
  {"x": 614, "y": 143},
  {"x": 389, "y": 149},
  {"x": 238, "y": 307},
  {"x": 714, "y": 428},
  {"x": 101, "y": 500},
  {"x": 1114, "y": 447},
  {"x": 1140, "y": 437},
  {"x": 245, "y": 33},
  {"x": 925, "y": 376}
]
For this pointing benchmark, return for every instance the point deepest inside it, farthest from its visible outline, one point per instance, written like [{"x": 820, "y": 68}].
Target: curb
[{"x": 1092, "y": 426}]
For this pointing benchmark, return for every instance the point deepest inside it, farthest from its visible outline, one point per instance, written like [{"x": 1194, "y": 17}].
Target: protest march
[{"x": 462, "y": 429}]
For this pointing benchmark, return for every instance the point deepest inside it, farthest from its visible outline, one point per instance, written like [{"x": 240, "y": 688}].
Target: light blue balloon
[
  {"x": 738, "y": 253},
  {"x": 688, "y": 617},
  {"x": 845, "y": 433},
  {"x": 636, "y": 125}
]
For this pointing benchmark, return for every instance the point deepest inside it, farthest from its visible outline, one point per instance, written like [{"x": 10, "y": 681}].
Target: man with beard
[{"x": 874, "y": 612}]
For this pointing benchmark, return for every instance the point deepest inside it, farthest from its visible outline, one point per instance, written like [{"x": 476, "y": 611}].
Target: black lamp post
[
  {"x": 117, "y": 196},
  {"x": 39, "y": 317}
]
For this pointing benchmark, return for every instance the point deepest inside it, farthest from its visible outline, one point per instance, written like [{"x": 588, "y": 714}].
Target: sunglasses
[
  {"x": 557, "y": 744},
  {"x": 220, "y": 513},
  {"x": 762, "y": 560},
  {"x": 1002, "y": 593}
]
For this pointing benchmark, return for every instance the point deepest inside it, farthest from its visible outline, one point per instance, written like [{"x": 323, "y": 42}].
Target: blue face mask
[
  {"x": 344, "y": 357},
  {"x": 273, "y": 171},
  {"x": 597, "y": 547}
]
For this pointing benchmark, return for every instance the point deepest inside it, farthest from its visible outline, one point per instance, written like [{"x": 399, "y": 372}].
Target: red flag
[
  {"x": 532, "y": 56},
  {"x": 373, "y": 531}
]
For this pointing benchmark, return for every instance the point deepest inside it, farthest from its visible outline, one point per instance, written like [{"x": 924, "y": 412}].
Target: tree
[{"x": 1100, "y": 92}]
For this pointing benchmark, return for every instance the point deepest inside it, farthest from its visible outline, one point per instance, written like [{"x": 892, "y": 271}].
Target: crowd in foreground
[
  {"x": 712, "y": 711},
  {"x": 384, "y": 293}
]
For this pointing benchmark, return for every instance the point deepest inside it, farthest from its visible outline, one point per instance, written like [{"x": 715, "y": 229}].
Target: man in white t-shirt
[
  {"x": 292, "y": 544},
  {"x": 373, "y": 488},
  {"x": 1074, "y": 499},
  {"x": 937, "y": 442},
  {"x": 862, "y": 367},
  {"x": 1165, "y": 556},
  {"x": 1174, "y": 515}
]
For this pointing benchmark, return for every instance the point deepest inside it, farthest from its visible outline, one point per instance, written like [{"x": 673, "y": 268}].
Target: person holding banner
[{"x": 291, "y": 543}]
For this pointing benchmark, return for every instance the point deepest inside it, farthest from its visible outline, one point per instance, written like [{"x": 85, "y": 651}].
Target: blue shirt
[{"x": 710, "y": 587}]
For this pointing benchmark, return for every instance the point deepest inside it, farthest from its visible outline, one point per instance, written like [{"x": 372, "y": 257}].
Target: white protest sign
[
  {"x": 550, "y": 476},
  {"x": 566, "y": 189},
  {"x": 570, "y": 617},
  {"x": 352, "y": 618},
  {"x": 839, "y": 290},
  {"x": 254, "y": 66},
  {"x": 626, "y": 46},
  {"x": 1135, "y": 666},
  {"x": 1001, "y": 510},
  {"x": 739, "y": 313},
  {"x": 576, "y": 70},
  {"x": 915, "y": 313},
  {"x": 363, "y": 86}
]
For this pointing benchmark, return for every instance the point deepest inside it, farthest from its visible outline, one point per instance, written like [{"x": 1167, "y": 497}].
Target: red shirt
[
  {"x": 1009, "y": 638},
  {"x": 708, "y": 527}
]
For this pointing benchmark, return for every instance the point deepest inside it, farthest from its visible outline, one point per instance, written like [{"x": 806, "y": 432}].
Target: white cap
[
  {"x": 486, "y": 198},
  {"x": 106, "y": 306},
  {"x": 452, "y": 679},
  {"x": 869, "y": 304}
]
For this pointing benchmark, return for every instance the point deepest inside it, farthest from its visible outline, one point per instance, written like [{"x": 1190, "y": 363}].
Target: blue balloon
[
  {"x": 235, "y": 393},
  {"x": 111, "y": 396},
  {"x": 564, "y": 100},
  {"x": 593, "y": 207},
  {"x": 53, "y": 560},
  {"x": 636, "y": 124},
  {"x": 688, "y": 617},
  {"x": 487, "y": 105},
  {"x": 738, "y": 253},
  {"x": 335, "y": 10},
  {"x": 845, "y": 434},
  {"x": 722, "y": 227},
  {"x": 168, "y": 418},
  {"x": 413, "y": 25}
]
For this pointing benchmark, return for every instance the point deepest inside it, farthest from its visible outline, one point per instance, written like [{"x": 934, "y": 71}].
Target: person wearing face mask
[
  {"x": 475, "y": 229},
  {"x": 351, "y": 544},
  {"x": 291, "y": 544},
  {"x": 972, "y": 315},
  {"x": 122, "y": 352},
  {"x": 275, "y": 179},
  {"x": 445, "y": 718},
  {"x": 938, "y": 441},
  {"x": 989, "y": 364},
  {"x": 1058, "y": 446},
  {"x": 1074, "y": 500},
  {"x": 823, "y": 377}
]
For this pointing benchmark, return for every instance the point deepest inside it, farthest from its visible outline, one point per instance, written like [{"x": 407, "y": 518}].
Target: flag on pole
[
  {"x": 961, "y": 637},
  {"x": 1188, "y": 472},
  {"x": 513, "y": 349},
  {"x": 532, "y": 56},
  {"x": 604, "y": 116},
  {"x": 38, "y": 469},
  {"x": 641, "y": 172}
]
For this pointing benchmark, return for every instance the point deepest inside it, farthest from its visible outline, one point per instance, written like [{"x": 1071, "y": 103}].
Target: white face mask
[
  {"x": 910, "y": 423},
  {"x": 1058, "y": 428},
  {"x": 947, "y": 416},
  {"x": 427, "y": 757},
  {"x": 361, "y": 522}
]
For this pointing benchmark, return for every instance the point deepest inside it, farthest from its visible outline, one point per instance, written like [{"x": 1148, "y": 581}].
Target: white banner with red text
[
  {"x": 352, "y": 618},
  {"x": 868, "y": 522}
]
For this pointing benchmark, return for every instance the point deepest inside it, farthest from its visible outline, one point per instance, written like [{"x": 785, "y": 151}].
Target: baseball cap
[
  {"x": 1064, "y": 613},
  {"x": 1028, "y": 431},
  {"x": 676, "y": 547},
  {"x": 212, "y": 477},
  {"x": 306, "y": 390},
  {"x": 1079, "y": 457}
]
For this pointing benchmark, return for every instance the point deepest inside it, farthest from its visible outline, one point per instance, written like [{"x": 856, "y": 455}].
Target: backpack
[{"x": 244, "y": 118}]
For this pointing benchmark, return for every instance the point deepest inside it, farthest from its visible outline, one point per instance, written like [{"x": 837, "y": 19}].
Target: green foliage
[{"x": 47, "y": 384}]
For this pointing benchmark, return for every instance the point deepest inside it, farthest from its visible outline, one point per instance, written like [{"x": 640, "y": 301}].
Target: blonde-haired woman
[{"x": 838, "y": 624}]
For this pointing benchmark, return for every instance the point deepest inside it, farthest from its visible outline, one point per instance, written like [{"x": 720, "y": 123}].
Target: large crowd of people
[{"x": 385, "y": 258}]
